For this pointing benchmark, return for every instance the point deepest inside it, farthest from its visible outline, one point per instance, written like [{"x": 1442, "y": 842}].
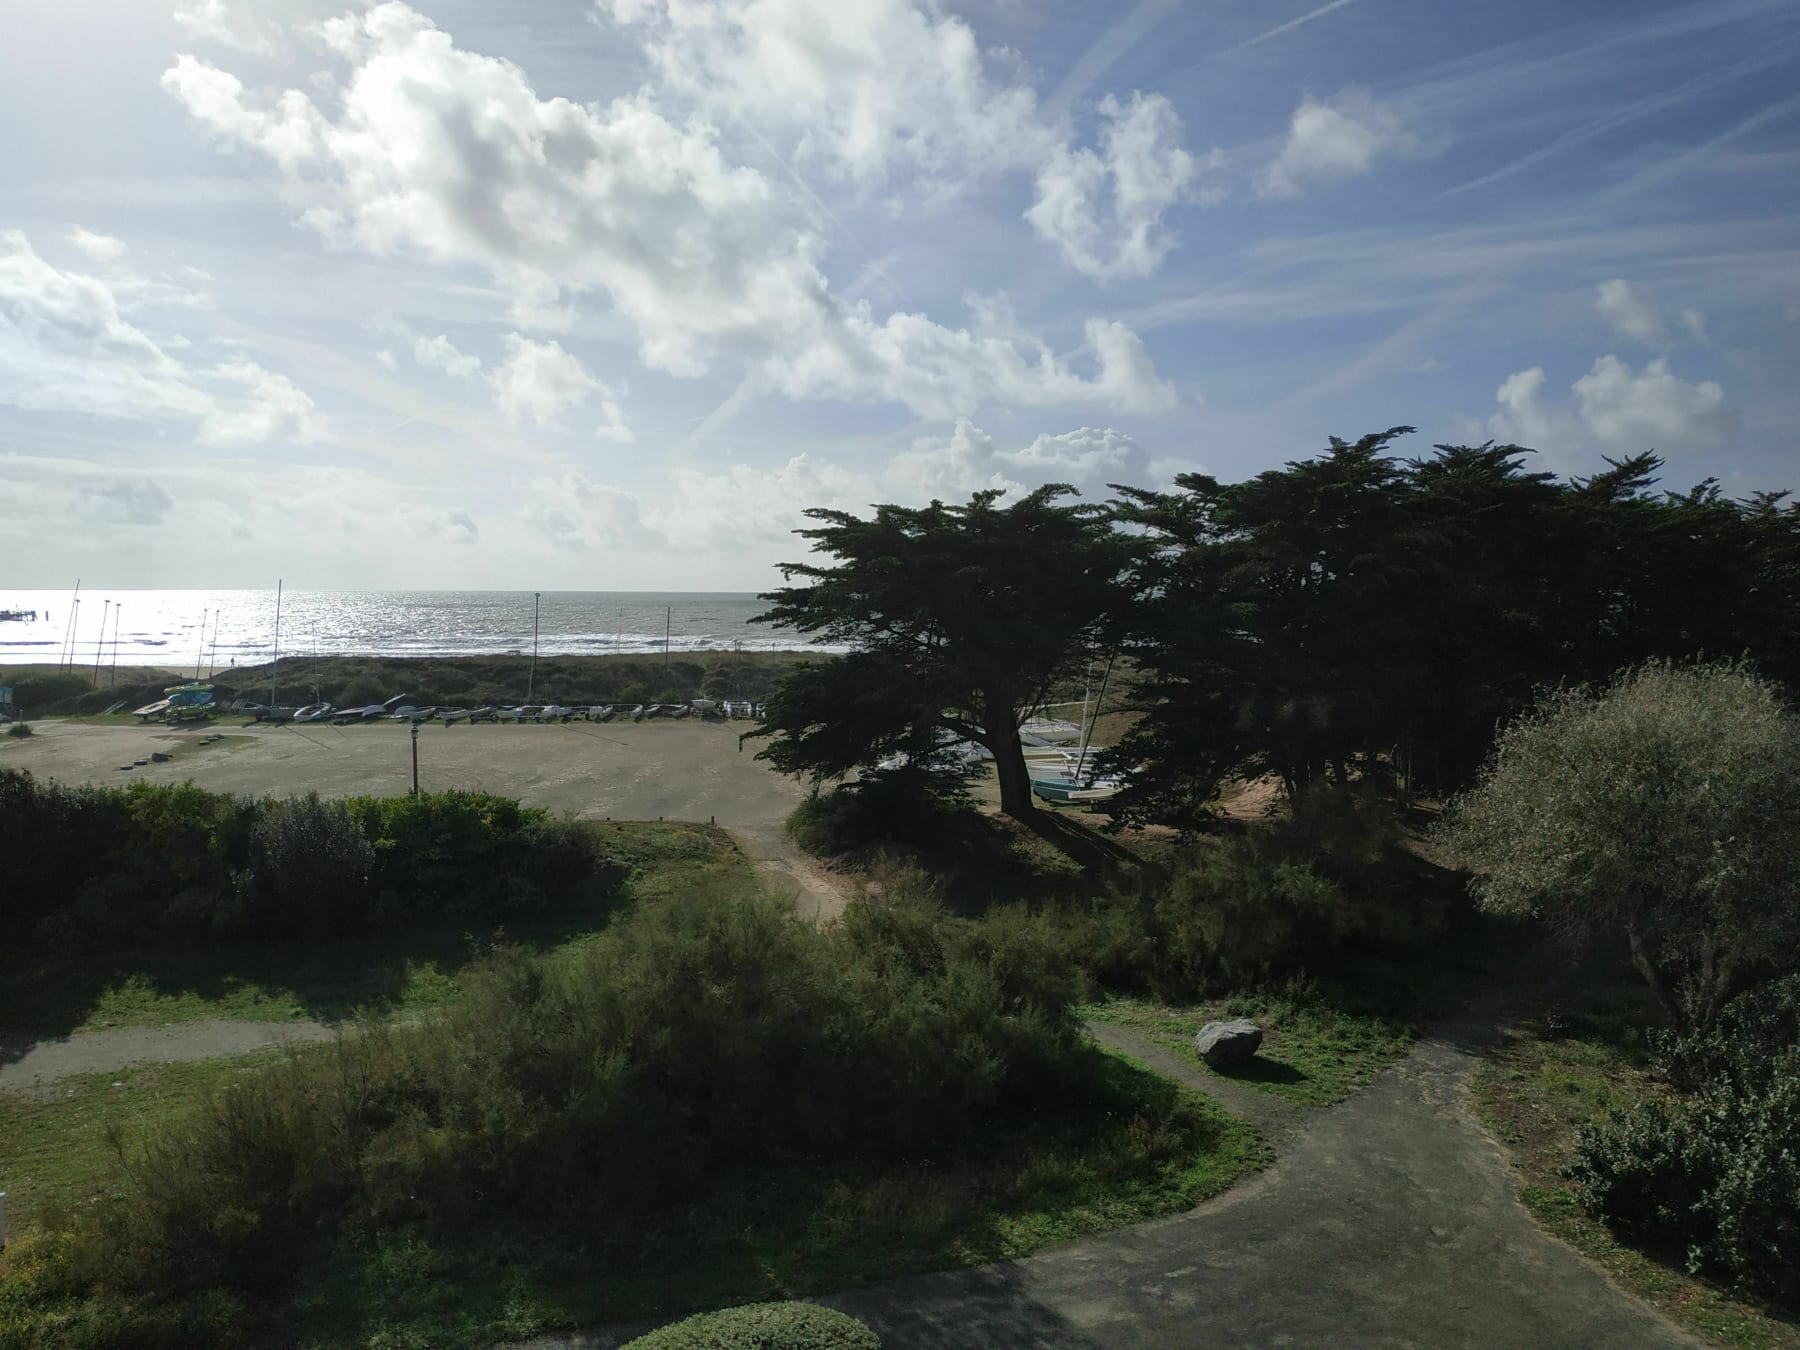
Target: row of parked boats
[
  {"x": 194, "y": 701},
  {"x": 397, "y": 709}
]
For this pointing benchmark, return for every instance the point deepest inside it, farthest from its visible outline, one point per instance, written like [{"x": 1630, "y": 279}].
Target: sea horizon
[{"x": 212, "y": 629}]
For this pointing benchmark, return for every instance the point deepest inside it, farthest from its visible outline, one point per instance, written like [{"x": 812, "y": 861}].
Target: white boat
[{"x": 1050, "y": 731}]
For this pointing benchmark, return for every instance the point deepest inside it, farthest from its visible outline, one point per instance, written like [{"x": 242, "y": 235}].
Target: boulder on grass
[{"x": 1224, "y": 1045}]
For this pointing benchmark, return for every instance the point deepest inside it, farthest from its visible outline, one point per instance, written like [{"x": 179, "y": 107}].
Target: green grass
[
  {"x": 1311, "y": 1053},
  {"x": 1139, "y": 1146},
  {"x": 56, "y": 1153},
  {"x": 1326, "y": 1036},
  {"x": 397, "y": 972},
  {"x": 1143, "y": 1147},
  {"x": 1572, "y": 1063}
]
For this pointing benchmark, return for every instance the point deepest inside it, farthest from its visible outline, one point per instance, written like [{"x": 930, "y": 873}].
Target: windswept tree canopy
[
  {"x": 960, "y": 620},
  {"x": 1663, "y": 812}
]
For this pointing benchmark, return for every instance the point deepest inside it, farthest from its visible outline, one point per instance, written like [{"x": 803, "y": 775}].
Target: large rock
[{"x": 1225, "y": 1044}]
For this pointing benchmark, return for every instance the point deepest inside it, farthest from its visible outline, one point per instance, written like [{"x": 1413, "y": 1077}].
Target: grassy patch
[
  {"x": 1324, "y": 1037},
  {"x": 1572, "y": 1063},
  {"x": 1311, "y": 1052},
  {"x": 56, "y": 1152},
  {"x": 1142, "y": 1147},
  {"x": 1139, "y": 1146},
  {"x": 49, "y": 992}
]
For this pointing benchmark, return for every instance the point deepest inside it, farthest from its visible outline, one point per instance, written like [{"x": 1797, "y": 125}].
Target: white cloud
[
  {"x": 1104, "y": 209},
  {"x": 540, "y": 381},
  {"x": 1629, "y": 312},
  {"x": 451, "y": 154},
  {"x": 439, "y": 351},
  {"x": 66, "y": 345},
  {"x": 1526, "y": 419},
  {"x": 458, "y": 527},
  {"x": 1335, "y": 138},
  {"x": 101, "y": 248},
  {"x": 132, "y": 501},
  {"x": 385, "y": 359},
  {"x": 859, "y": 87},
  {"x": 231, "y": 22},
  {"x": 575, "y": 513},
  {"x": 1620, "y": 411},
  {"x": 1656, "y": 410},
  {"x": 1086, "y": 455},
  {"x": 1695, "y": 323}
]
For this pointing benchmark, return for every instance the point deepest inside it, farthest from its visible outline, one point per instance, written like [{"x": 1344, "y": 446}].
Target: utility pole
[
  {"x": 415, "y": 740},
  {"x": 118, "y": 612},
  {"x": 531, "y": 680}
]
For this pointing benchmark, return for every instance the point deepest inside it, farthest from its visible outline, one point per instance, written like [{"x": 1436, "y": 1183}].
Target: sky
[{"x": 603, "y": 294}]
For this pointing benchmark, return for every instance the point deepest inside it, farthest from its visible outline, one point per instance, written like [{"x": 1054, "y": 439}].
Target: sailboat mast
[
  {"x": 273, "y": 665},
  {"x": 118, "y": 613},
  {"x": 100, "y": 644},
  {"x": 66, "y": 656},
  {"x": 1087, "y": 735}
]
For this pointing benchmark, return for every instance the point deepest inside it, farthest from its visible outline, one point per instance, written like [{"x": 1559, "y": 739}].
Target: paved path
[
  {"x": 29, "y": 1067},
  {"x": 1388, "y": 1220}
]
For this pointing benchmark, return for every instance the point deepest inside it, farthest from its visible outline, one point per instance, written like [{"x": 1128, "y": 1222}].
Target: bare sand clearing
[{"x": 620, "y": 771}]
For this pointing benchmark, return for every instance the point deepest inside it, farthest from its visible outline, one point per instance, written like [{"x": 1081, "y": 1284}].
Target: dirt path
[
  {"x": 819, "y": 895},
  {"x": 1388, "y": 1220},
  {"x": 30, "y": 1067}
]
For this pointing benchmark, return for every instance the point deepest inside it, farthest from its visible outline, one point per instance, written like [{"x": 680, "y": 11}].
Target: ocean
[{"x": 215, "y": 629}]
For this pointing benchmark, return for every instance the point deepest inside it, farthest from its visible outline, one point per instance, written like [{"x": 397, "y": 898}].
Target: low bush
[
  {"x": 1272, "y": 902},
  {"x": 1714, "y": 1177},
  {"x": 19, "y": 729},
  {"x": 912, "y": 805},
  {"x": 694, "y": 1041},
  {"x": 94, "y": 864},
  {"x": 763, "y": 1326}
]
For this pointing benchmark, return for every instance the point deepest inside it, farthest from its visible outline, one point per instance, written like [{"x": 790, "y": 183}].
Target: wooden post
[{"x": 415, "y": 741}]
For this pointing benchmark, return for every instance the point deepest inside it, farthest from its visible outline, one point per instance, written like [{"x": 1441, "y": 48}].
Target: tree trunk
[
  {"x": 1646, "y": 966},
  {"x": 1009, "y": 767}
]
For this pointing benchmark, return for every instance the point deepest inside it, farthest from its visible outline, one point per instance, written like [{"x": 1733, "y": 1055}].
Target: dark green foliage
[
  {"x": 694, "y": 1041},
  {"x": 1714, "y": 1177},
  {"x": 917, "y": 804},
  {"x": 38, "y": 687},
  {"x": 19, "y": 729},
  {"x": 310, "y": 869},
  {"x": 1661, "y": 813},
  {"x": 959, "y": 618},
  {"x": 1275, "y": 901},
  {"x": 1361, "y": 618},
  {"x": 108, "y": 864},
  {"x": 763, "y": 1326}
]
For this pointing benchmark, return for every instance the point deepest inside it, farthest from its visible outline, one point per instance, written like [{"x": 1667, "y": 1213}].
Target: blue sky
[{"x": 602, "y": 295}]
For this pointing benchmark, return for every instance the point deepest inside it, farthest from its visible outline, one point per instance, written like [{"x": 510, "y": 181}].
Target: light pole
[{"x": 531, "y": 680}]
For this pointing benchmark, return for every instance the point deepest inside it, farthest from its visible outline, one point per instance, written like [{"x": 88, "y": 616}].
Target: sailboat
[{"x": 1073, "y": 780}]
